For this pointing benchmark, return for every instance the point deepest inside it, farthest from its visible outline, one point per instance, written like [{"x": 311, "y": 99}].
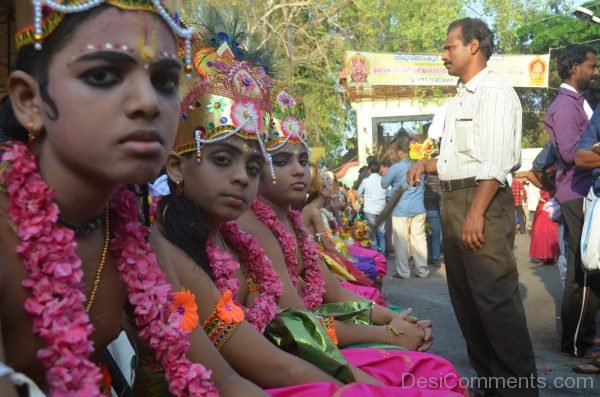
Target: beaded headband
[
  {"x": 228, "y": 94},
  {"x": 48, "y": 14},
  {"x": 288, "y": 120}
]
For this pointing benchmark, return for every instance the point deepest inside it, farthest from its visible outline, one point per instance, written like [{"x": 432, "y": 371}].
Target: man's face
[
  {"x": 456, "y": 55},
  {"x": 586, "y": 72}
]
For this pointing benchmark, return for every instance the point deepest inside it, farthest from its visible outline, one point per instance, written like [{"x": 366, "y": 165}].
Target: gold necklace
[
  {"x": 103, "y": 256},
  {"x": 297, "y": 248},
  {"x": 223, "y": 242}
]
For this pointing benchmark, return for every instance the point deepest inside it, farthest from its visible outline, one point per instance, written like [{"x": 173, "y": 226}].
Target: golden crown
[
  {"x": 288, "y": 119},
  {"x": 48, "y": 14}
]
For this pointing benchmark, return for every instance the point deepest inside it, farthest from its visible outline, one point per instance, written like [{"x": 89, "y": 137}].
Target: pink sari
[
  {"x": 370, "y": 293},
  {"x": 380, "y": 262},
  {"x": 404, "y": 373}
]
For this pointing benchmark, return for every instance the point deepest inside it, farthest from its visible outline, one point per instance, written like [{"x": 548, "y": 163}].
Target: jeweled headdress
[
  {"x": 48, "y": 14},
  {"x": 288, "y": 120},
  {"x": 318, "y": 178},
  {"x": 228, "y": 93}
]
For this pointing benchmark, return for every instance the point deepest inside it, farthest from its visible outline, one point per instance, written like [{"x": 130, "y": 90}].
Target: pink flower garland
[
  {"x": 49, "y": 253},
  {"x": 258, "y": 266},
  {"x": 312, "y": 295}
]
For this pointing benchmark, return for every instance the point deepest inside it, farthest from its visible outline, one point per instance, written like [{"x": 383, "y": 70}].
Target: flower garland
[
  {"x": 258, "y": 266},
  {"x": 312, "y": 295},
  {"x": 49, "y": 254}
]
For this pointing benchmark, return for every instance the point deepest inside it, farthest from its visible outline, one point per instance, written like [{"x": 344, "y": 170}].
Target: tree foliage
[{"x": 308, "y": 40}]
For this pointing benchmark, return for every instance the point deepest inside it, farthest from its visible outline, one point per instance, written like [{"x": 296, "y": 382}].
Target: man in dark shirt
[{"x": 565, "y": 121}]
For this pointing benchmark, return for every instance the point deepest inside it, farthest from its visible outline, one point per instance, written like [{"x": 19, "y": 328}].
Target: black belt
[{"x": 455, "y": 184}]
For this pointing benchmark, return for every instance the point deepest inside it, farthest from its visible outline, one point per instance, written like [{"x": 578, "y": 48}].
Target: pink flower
[
  {"x": 49, "y": 253},
  {"x": 313, "y": 277},
  {"x": 258, "y": 266},
  {"x": 245, "y": 115}
]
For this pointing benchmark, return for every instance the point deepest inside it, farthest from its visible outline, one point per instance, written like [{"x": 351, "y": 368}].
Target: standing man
[
  {"x": 481, "y": 144},
  {"x": 373, "y": 196},
  {"x": 408, "y": 216},
  {"x": 588, "y": 157},
  {"x": 520, "y": 195},
  {"x": 566, "y": 120}
]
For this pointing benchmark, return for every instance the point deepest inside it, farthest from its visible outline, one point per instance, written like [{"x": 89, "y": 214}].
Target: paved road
[{"x": 541, "y": 290}]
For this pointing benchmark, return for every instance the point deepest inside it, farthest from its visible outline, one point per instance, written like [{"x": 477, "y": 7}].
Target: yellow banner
[
  {"x": 428, "y": 69},
  {"x": 317, "y": 153}
]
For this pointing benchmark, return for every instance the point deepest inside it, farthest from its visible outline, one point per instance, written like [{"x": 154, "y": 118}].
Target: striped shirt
[
  {"x": 519, "y": 192},
  {"x": 565, "y": 122},
  {"x": 482, "y": 131}
]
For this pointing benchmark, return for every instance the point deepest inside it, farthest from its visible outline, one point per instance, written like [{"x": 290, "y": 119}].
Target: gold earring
[
  {"x": 31, "y": 134},
  {"x": 179, "y": 188}
]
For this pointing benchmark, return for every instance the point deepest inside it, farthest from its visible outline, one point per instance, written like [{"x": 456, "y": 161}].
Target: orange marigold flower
[
  {"x": 228, "y": 310},
  {"x": 333, "y": 335},
  {"x": 106, "y": 381},
  {"x": 184, "y": 303}
]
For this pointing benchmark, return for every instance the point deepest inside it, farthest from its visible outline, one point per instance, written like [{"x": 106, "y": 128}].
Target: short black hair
[
  {"x": 385, "y": 163},
  {"x": 374, "y": 166},
  {"x": 473, "y": 28},
  {"x": 570, "y": 56}
]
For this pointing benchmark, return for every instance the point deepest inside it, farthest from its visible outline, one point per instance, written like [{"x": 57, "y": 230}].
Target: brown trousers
[{"x": 484, "y": 291}]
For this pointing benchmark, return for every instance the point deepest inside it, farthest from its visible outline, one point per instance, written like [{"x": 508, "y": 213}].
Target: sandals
[
  {"x": 593, "y": 353},
  {"x": 590, "y": 368}
]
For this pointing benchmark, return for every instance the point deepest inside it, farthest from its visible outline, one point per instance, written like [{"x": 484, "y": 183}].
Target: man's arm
[
  {"x": 472, "y": 232},
  {"x": 361, "y": 188},
  {"x": 413, "y": 177},
  {"x": 588, "y": 153},
  {"x": 535, "y": 178},
  {"x": 388, "y": 179}
]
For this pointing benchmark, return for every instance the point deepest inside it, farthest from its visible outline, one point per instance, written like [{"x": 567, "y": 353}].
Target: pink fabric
[
  {"x": 380, "y": 261},
  {"x": 370, "y": 293},
  {"x": 406, "y": 368},
  {"x": 356, "y": 390},
  {"x": 405, "y": 373}
]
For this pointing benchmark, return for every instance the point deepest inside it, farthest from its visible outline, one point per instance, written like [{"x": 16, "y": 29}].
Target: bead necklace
[
  {"x": 83, "y": 230},
  {"x": 90, "y": 302}
]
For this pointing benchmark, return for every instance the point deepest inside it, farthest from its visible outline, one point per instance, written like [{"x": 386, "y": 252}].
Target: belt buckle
[{"x": 446, "y": 186}]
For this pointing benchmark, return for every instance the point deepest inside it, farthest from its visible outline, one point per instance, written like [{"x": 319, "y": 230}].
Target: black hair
[
  {"x": 181, "y": 222},
  {"x": 570, "y": 56},
  {"x": 403, "y": 143},
  {"x": 385, "y": 163},
  {"x": 35, "y": 63},
  {"x": 311, "y": 197},
  {"x": 374, "y": 166},
  {"x": 473, "y": 28}
]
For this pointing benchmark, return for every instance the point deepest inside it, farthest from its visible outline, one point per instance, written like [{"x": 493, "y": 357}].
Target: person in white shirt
[
  {"x": 481, "y": 144},
  {"x": 373, "y": 196}
]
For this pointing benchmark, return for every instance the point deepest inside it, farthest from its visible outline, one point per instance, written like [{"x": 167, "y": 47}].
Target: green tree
[{"x": 308, "y": 40}]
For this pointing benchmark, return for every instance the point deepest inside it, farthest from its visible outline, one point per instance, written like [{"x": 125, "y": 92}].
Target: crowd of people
[{"x": 184, "y": 212}]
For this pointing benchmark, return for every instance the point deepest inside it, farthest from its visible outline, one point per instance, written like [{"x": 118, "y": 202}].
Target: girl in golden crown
[
  {"x": 309, "y": 284},
  {"x": 213, "y": 176},
  {"x": 93, "y": 104}
]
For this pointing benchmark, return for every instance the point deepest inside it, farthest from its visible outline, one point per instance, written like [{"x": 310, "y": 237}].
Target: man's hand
[
  {"x": 413, "y": 176},
  {"x": 472, "y": 232}
]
